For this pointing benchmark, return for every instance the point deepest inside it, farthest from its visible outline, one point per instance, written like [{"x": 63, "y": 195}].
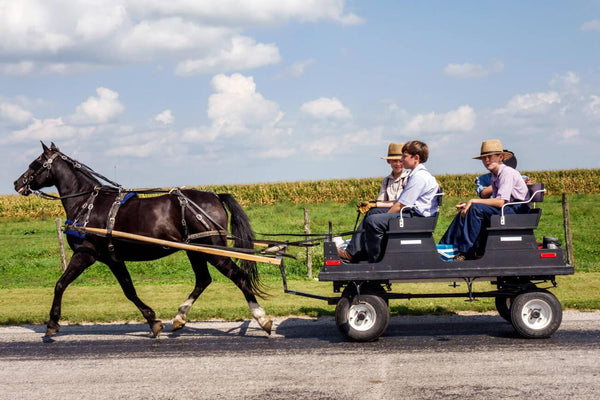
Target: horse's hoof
[
  {"x": 157, "y": 327},
  {"x": 267, "y": 325},
  {"x": 178, "y": 323},
  {"x": 52, "y": 329}
]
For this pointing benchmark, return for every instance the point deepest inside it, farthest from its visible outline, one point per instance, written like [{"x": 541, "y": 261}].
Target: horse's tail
[{"x": 244, "y": 238}]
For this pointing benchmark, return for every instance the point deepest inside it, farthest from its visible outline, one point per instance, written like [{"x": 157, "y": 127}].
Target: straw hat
[
  {"x": 493, "y": 146},
  {"x": 394, "y": 151}
]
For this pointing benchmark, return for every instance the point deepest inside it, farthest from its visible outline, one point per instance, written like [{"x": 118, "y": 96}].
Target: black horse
[{"x": 88, "y": 203}]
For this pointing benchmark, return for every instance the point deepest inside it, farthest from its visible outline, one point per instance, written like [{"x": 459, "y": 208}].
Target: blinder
[{"x": 37, "y": 167}]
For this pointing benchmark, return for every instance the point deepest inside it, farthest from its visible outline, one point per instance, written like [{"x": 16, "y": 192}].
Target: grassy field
[
  {"x": 30, "y": 263},
  {"x": 30, "y": 266}
]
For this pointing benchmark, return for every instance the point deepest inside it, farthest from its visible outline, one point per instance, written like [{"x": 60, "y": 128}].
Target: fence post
[
  {"x": 61, "y": 244},
  {"x": 567, "y": 224},
  {"x": 308, "y": 248}
]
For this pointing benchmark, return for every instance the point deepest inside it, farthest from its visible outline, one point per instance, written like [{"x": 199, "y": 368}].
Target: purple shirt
[{"x": 508, "y": 185}]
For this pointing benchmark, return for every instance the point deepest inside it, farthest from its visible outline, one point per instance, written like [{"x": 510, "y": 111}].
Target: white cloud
[
  {"x": 593, "y": 107},
  {"x": 324, "y": 146},
  {"x": 257, "y": 12},
  {"x": 297, "y": 69},
  {"x": 244, "y": 53},
  {"x": 593, "y": 25},
  {"x": 323, "y": 108},
  {"x": 166, "y": 117},
  {"x": 531, "y": 103},
  {"x": 14, "y": 114},
  {"x": 100, "y": 21},
  {"x": 568, "y": 81},
  {"x": 461, "y": 120},
  {"x": 278, "y": 152},
  {"x": 468, "y": 70},
  {"x": 66, "y": 36},
  {"x": 98, "y": 110},
  {"x": 236, "y": 108},
  {"x": 570, "y": 133},
  {"x": 47, "y": 129}
]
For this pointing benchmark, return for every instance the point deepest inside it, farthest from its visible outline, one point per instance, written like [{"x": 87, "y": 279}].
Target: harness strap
[
  {"x": 112, "y": 216},
  {"x": 87, "y": 207},
  {"x": 186, "y": 203},
  {"x": 199, "y": 235}
]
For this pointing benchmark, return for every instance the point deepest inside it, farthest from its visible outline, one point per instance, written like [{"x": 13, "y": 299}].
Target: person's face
[
  {"x": 492, "y": 162},
  {"x": 397, "y": 166},
  {"x": 409, "y": 161}
]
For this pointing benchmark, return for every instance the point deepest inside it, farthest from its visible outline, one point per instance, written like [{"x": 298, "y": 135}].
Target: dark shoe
[{"x": 344, "y": 255}]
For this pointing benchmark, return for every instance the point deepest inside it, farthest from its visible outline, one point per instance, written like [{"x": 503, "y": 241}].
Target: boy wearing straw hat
[
  {"x": 474, "y": 215},
  {"x": 392, "y": 185}
]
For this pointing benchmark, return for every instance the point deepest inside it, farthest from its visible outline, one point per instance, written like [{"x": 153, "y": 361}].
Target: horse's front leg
[
  {"x": 203, "y": 279},
  {"x": 78, "y": 263},
  {"x": 120, "y": 272}
]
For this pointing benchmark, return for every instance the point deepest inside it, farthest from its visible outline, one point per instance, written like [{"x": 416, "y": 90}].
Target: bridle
[{"x": 37, "y": 168}]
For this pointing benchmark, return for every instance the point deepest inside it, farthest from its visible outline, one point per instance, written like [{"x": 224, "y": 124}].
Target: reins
[{"x": 185, "y": 202}]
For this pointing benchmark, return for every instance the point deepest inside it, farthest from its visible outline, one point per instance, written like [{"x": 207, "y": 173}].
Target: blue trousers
[
  {"x": 375, "y": 227},
  {"x": 357, "y": 246},
  {"x": 465, "y": 234}
]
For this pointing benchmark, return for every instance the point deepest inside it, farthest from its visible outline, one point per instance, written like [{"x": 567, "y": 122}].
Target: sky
[{"x": 154, "y": 93}]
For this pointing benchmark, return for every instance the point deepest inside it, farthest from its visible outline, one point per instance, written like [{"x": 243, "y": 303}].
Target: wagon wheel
[
  {"x": 536, "y": 314},
  {"x": 503, "y": 305},
  {"x": 362, "y": 320}
]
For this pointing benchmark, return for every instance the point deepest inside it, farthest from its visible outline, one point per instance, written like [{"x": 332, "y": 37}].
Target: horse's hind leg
[
  {"x": 78, "y": 263},
  {"x": 203, "y": 279},
  {"x": 242, "y": 280},
  {"x": 120, "y": 272}
]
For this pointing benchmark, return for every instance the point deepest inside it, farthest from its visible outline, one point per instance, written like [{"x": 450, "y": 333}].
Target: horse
[{"x": 167, "y": 216}]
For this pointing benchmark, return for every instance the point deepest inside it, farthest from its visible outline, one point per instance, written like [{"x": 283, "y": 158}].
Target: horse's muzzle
[{"x": 23, "y": 190}]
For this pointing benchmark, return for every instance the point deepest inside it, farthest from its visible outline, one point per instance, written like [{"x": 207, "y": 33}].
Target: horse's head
[{"x": 38, "y": 174}]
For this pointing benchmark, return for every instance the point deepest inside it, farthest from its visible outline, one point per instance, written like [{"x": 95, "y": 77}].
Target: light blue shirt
[
  {"x": 420, "y": 191},
  {"x": 481, "y": 182}
]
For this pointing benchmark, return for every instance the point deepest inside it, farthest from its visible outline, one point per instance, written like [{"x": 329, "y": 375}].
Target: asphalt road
[{"x": 451, "y": 357}]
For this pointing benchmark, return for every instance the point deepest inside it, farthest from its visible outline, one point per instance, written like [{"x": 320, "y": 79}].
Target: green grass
[
  {"x": 30, "y": 267},
  {"x": 222, "y": 300}
]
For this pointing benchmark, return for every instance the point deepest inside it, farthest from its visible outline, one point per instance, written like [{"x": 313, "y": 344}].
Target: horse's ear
[
  {"x": 46, "y": 149},
  {"x": 53, "y": 147}
]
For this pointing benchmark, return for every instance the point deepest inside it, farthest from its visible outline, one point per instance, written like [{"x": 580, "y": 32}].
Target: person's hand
[
  {"x": 365, "y": 206},
  {"x": 463, "y": 207}
]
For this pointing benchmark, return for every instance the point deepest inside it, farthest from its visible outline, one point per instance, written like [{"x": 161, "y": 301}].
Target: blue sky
[{"x": 186, "y": 92}]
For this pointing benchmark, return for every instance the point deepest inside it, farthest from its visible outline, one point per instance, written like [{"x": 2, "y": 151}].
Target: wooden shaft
[
  {"x": 61, "y": 244},
  {"x": 185, "y": 246}
]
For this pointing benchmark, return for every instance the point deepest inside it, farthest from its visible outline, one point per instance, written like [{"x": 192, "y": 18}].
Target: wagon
[{"x": 521, "y": 269}]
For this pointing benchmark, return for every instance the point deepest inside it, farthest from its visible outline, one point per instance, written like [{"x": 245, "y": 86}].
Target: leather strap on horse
[
  {"x": 200, "y": 235},
  {"x": 112, "y": 216},
  {"x": 187, "y": 203}
]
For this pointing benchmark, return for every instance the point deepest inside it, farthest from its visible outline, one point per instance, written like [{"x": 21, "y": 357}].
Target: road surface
[{"x": 451, "y": 357}]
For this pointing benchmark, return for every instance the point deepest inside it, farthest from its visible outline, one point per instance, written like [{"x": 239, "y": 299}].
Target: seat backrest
[
  {"x": 533, "y": 188},
  {"x": 438, "y": 197},
  {"x": 516, "y": 221},
  {"x": 413, "y": 225}
]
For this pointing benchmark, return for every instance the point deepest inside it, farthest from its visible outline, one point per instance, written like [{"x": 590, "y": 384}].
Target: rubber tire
[
  {"x": 503, "y": 305},
  {"x": 362, "y": 322},
  {"x": 532, "y": 302}
]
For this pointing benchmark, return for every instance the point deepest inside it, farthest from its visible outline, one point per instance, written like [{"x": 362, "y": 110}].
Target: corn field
[{"x": 576, "y": 181}]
